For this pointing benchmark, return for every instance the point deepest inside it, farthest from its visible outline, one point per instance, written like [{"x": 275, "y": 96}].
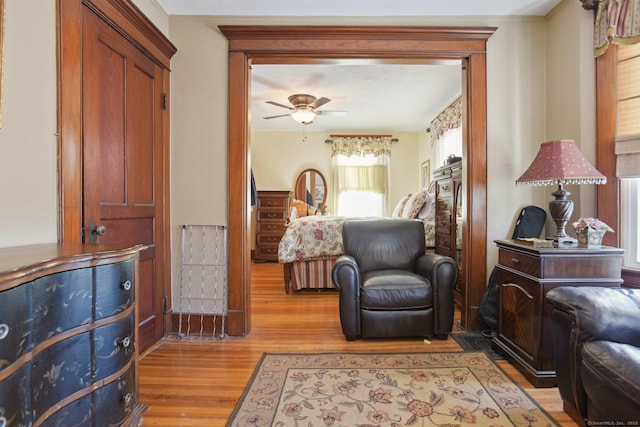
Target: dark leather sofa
[
  {"x": 388, "y": 286},
  {"x": 596, "y": 348}
]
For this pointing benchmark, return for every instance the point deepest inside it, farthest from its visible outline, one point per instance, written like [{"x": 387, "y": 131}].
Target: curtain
[
  {"x": 360, "y": 175},
  {"x": 446, "y": 133},
  {"x": 627, "y": 145},
  {"x": 450, "y": 118},
  {"x": 617, "y": 21}
]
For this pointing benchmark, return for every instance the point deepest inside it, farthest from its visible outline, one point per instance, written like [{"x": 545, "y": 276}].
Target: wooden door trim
[
  {"x": 129, "y": 21},
  {"x": 309, "y": 44}
]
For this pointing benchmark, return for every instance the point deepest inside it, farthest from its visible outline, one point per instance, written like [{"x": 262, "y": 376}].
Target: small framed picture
[{"x": 425, "y": 177}]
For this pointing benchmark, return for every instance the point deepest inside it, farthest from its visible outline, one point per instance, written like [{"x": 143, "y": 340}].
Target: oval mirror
[{"x": 311, "y": 187}]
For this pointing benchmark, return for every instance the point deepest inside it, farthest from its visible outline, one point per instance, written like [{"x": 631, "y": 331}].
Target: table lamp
[{"x": 561, "y": 162}]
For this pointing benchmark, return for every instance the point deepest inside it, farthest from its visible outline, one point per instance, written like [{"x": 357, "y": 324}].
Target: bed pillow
[
  {"x": 397, "y": 211},
  {"x": 414, "y": 204},
  {"x": 428, "y": 211}
]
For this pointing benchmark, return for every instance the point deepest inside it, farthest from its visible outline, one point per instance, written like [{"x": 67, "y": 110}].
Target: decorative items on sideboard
[
  {"x": 68, "y": 335},
  {"x": 590, "y": 231}
]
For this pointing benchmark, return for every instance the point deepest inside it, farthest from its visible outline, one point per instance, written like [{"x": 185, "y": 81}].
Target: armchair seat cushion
[
  {"x": 395, "y": 290},
  {"x": 610, "y": 373}
]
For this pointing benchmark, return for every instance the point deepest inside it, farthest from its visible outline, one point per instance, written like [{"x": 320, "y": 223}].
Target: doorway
[{"x": 322, "y": 44}]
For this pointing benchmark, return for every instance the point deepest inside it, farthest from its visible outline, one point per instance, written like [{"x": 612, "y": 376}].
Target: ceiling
[
  {"x": 377, "y": 97},
  {"x": 380, "y": 97}
]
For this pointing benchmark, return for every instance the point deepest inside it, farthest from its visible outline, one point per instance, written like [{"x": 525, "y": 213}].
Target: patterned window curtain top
[
  {"x": 361, "y": 146},
  {"x": 450, "y": 118},
  {"x": 617, "y": 21}
]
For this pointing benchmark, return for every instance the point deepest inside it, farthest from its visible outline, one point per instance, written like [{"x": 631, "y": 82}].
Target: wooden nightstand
[{"x": 525, "y": 275}]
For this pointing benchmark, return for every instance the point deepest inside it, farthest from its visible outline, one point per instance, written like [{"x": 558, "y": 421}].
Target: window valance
[
  {"x": 361, "y": 145},
  {"x": 616, "y": 21},
  {"x": 450, "y": 118}
]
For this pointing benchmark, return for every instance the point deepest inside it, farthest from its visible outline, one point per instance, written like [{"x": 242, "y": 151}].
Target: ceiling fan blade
[
  {"x": 319, "y": 102},
  {"x": 280, "y": 105},
  {"x": 332, "y": 113},
  {"x": 275, "y": 117}
]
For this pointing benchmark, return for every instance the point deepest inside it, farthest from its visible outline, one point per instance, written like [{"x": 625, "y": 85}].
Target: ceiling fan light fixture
[{"x": 303, "y": 116}]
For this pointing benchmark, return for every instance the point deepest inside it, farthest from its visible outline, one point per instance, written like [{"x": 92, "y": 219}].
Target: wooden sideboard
[
  {"x": 271, "y": 217},
  {"x": 448, "y": 184},
  {"x": 68, "y": 329},
  {"x": 525, "y": 275}
]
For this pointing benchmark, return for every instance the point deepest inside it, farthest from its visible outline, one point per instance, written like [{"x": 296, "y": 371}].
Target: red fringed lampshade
[{"x": 561, "y": 162}]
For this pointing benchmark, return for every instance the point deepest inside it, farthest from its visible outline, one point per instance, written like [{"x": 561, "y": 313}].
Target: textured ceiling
[{"x": 376, "y": 97}]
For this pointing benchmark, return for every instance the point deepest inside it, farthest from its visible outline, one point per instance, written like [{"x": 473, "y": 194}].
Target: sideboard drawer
[
  {"x": 15, "y": 325},
  {"x": 12, "y": 402},
  {"x": 114, "y": 402},
  {"x": 114, "y": 288},
  {"x": 520, "y": 262},
  {"x": 61, "y": 301},
  {"x": 113, "y": 346},
  {"x": 76, "y": 413},
  {"x": 59, "y": 371}
]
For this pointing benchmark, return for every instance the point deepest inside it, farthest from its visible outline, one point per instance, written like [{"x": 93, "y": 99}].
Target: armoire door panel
[{"x": 123, "y": 143}]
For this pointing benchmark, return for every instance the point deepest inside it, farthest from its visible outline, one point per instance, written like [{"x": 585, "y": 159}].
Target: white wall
[{"x": 28, "y": 143}]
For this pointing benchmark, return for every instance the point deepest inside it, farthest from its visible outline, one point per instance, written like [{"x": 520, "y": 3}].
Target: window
[
  {"x": 449, "y": 144},
  {"x": 360, "y": 175},
  {"x": 630, "y": 219},
  {"x": 362, "y": 185},
  {"x": 627, "y": 148}
]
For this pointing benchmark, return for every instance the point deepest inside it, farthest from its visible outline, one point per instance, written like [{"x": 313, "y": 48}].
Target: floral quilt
[{"x": 316, "y": 236}]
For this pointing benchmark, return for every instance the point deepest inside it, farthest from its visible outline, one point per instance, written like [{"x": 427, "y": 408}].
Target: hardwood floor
[{"x": 197, "y": 383}]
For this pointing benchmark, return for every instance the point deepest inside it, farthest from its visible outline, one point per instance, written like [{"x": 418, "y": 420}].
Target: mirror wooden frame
[
  {"x": 255, "y": 44},
  {"x": 299, "y": 182}
]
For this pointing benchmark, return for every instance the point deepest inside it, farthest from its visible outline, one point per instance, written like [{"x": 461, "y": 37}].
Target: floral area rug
[{"x": 398, "y": 389}]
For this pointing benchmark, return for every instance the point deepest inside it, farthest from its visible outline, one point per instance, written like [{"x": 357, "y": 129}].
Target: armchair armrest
[
  {"x": 442, "y": 272},
  {"x": 583, "y": 314},
  {"x": 346, "y": 277}
]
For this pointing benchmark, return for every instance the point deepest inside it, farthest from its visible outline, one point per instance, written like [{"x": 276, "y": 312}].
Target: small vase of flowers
[{"x": 590, "y": 232}]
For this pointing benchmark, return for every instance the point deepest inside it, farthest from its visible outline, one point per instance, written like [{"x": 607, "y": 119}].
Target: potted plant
[{"x": 590, "y": 231}]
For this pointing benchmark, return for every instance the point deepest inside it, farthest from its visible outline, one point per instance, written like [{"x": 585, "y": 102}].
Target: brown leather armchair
[
  {"x": 596, "y": 351},
  {"x": 388, "y": 286}
]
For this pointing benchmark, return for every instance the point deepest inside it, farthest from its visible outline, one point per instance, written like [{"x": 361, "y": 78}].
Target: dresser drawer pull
[
  {"x": 3, "y": 422},
  {"x": 515, "y": 260},
  {"x": 272, "y": 214},
  {"x": 127, "y": 398},
  {"x": 125, "y": 342},
  {"x": 126, "y": 286},
  {"x": 4, "y": 331}
]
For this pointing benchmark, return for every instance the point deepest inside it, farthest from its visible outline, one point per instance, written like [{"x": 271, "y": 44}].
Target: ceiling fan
[{"x": 305, "y": 108}]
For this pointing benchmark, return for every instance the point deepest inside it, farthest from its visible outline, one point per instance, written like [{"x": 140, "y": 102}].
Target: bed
[{"x": 311, "y": 244}]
